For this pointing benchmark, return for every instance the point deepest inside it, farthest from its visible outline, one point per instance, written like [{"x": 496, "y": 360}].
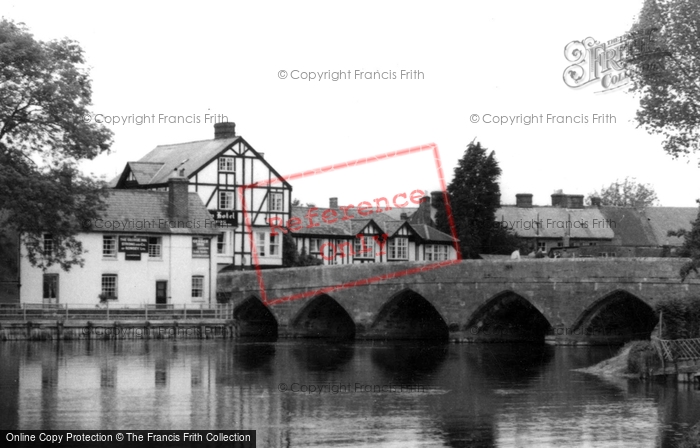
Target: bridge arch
[
  {"x": 255, "y": 320},
  {"x": 408, "y": 315},
  {"x": 616, "y": 317},
  {"x": 323, "y": 317},
  {"x": 507, "y": 317}
]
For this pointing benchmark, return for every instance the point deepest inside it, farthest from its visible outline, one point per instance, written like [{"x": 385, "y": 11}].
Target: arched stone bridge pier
[{"x": 563, "y": 301}]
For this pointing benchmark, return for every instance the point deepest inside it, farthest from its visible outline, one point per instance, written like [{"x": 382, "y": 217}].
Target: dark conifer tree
[{"x": 474, "y": 196}]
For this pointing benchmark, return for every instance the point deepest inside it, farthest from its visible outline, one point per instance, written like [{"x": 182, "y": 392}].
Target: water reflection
[{"x": 315, "y": 393}]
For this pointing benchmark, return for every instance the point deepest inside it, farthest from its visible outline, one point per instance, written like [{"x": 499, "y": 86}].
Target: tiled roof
[
  {"x": 430, "y": 233},
  {"x": 663, "y": 219},
  {"x": 582, "y": 223},
  {"x": 395, "y": 213},
  {"x": 630, "y": 226},
  {"x": 146, "y": 211},
  {"x": 145, "y": 171},
  {"x": 193, "y": 154},
  {"x": 351, "y": 227}
]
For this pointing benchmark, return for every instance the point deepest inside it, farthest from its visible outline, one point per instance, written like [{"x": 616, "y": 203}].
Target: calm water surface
[{"x": 453, "y": 395}]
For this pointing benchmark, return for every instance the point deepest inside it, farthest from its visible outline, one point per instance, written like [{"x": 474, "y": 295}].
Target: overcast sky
[{"x": 476, "y": 58}]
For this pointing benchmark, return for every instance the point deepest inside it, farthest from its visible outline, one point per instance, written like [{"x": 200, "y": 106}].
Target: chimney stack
[
  {"x": 333, "y": 203},
  {"x": 558, "y": 199},
  {"x": 523, "y": 200},
  {"x": 575, "y": 201},
  {"x": 436, "y": 197},
  {"x": 595, "y": 201},
  {"x": 404, "y": 216},
  {"x": 178, "y": 196},
  {"x": 226, "y": 129}
]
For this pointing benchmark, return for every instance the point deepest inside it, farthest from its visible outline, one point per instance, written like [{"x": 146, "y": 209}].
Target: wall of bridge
[{"x": 378, "y": 298}]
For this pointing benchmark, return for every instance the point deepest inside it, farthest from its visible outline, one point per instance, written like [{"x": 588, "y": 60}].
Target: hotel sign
[{"x": 224, "y": 218}]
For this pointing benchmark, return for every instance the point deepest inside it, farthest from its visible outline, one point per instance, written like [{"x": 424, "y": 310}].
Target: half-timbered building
[
  {"x": 377, "y": 239},
  {"x": 230, "y": 177}
]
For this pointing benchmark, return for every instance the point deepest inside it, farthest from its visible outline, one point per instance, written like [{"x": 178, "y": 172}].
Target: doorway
[{"x": 161, "y": 293}]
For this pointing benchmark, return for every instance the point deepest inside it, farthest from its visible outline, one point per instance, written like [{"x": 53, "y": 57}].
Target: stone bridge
[{"x": 561, "y": 301}]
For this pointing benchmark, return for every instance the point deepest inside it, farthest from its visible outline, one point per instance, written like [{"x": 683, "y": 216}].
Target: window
[
  {"x": 154, "y": 247},
  {"x": 260, "y": 243},
  {"x": 398, "y": 248},
  {"x": 275, "y": 245},
  {"x": 368, "y": 251},
  {"x": 48, "y": 245},
  {"x": 51, "y": 287},
  {"x": 226, "y": 200},
  {"x": 541, "y": 245},
  {"x": 275, "y": 202},
  {"x": 314, "y": 246},
  {"x": 109, "y": 285},
  {"x": 198, "y": 286},
  {"x": 221, "y": 243},
  {"x": 109, "y": 246},
  {"x": 225, "y": 163},
  {"x": 435, "y": 252}
]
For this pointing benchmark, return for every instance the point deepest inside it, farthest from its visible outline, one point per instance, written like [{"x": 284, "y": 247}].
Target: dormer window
[{"x": 226, "y": 164}]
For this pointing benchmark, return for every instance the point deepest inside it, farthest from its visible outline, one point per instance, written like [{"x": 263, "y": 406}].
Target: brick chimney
[
  {"x": 178, "y": 196},
  {"x": 574, "y": 201},
  {"x": 523, "y": 200},
  {"x": 333, "y": 203},
  {"x": 404, "y": 216},
  {"x": 226, "y": 129},
  {"x": 558, "y": 199},
  {"x": 595, "y": 201}
]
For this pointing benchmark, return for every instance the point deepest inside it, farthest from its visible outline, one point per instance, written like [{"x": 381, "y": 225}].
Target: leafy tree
[
  {"x": 690, "y": 248},
  {"x": 664, "y": 67},
  {"x": 474, "y": 196},
  {"x": 626, "y": 193},
  {"x": 45, "y": 129},
  {"x": 292, "y": 258}
]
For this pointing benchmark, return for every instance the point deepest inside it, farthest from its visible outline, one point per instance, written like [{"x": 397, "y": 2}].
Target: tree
[
  {"x": 45, "y": 129},
  {"x": 626, "y": 193},
  {"x": 474, "y": 196},
  {"x": 663, "y": 63},
  {"x": 690, "y": 248},
  {"x": 292, "y": 258}
]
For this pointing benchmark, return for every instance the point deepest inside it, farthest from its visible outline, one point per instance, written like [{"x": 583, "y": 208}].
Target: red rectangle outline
[{"x": 338, "y": 166}]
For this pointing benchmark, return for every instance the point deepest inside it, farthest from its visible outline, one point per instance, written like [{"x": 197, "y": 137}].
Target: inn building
[
  {"x": 230, "y": 177},
  {"x": 147, "y": 247}
]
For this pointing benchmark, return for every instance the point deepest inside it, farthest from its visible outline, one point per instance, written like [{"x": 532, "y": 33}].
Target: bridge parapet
[{"x": 474, "y": 298}]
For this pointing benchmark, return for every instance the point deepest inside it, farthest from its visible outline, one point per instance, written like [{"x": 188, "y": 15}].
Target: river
[{"x": 300, "y": 393}]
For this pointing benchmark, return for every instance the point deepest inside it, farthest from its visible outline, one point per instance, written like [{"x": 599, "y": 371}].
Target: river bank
[{"x": 72, "y": 329}]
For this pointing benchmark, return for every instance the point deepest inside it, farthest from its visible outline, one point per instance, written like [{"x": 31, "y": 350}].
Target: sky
[{"x": 470, "y": 61}]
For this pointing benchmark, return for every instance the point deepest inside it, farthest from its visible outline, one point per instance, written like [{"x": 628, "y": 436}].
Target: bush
[
  {"x": 642, "y": 358},
  {"x": 681, "y": 318}
]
